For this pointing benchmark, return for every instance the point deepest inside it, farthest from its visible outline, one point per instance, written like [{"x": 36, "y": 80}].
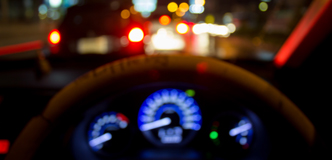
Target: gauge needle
[
  {"x": 101, "y": 139},
  {"x": 156, "y": 124},
  {"x": 235, "y": 131}
]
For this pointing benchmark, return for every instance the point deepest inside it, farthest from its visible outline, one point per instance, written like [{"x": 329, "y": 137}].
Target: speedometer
[{"x": 169, "y": 117}]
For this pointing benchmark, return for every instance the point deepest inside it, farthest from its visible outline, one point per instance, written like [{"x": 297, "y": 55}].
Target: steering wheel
[{"x": 126, "y": 73}]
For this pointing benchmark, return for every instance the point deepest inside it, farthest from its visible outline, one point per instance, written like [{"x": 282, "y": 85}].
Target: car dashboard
[
  {"x": 173, "y": 120},
  {"x": 169, "y": 121}
]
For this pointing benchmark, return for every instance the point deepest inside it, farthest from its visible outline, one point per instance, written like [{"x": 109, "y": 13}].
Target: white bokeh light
[{"x": 55, "y": 3}]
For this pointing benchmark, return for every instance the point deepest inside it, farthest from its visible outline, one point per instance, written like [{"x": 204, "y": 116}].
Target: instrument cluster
[{"x": 169, "y": 122}]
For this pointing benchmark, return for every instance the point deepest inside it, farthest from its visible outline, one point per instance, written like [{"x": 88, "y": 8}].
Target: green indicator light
[
  {"x": 214, "y": 135},
  {"x": 190, "y": 92}
]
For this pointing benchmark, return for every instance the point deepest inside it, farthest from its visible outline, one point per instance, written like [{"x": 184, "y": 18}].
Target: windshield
[{"x": 225, "y": 29}]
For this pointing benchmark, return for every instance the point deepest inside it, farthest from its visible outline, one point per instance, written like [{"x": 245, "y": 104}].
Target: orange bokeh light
[{"x": 164, "y": 20}]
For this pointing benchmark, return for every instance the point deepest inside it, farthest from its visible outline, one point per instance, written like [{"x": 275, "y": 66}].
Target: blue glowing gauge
[
  {"x": 109, "y": 133},
  {"x": 169, "y": 117}
]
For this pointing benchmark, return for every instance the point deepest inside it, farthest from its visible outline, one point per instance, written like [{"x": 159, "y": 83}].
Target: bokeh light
[
  {"x": 124, "y": 41},
  {"x": 55, "y": 3},
  {"x": 209, "y": 18},
  {"x": 263, "y": 6},
  {"x": 182, "y": 28},
  {"x": 55, "y": 15},
  {"x": 54, "y": 37},
  {"x": 172, "y": 7},
  {"x": 147, "y": 6},
  {"x": 221, "y": 30},
  {"x": 165, "y": 39},
  {"x": 179, "y": 13},
  {"x": 227, "y": 18},
  {"x": 42, "y": 9},
  {"x": 184, "y": 7},
  {"x": 125, "y": 14},
  {"x": 132, "y": 10},
  {"x": 136, "y": 35},
  {"x": 196, "y": 9},
  {"x": 200, "y": 2},
  {"x": 196, "y": 29},
  {"x": 164, "y": 20},
  {"x": 214, "y": 135},
  {"x": 201, "y": 28},
  {"x": 214, "y": 29},
  {"x": 231, "y": 27},
  {"x": 4, "y": 145},
  {"x": 146, "y": 14}
]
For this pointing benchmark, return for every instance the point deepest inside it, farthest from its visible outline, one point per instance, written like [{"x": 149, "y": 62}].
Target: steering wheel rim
[{"x": 147, "y": 69}]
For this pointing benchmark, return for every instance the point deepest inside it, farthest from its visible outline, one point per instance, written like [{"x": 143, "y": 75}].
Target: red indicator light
[
  {"x": 54, "y": 37},
  {"x": 4, "y": 146},
  {"x": 122, "y": 117}
]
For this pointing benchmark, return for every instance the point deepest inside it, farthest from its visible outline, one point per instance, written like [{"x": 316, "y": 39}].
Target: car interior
[{"x": 172, "y": 104}]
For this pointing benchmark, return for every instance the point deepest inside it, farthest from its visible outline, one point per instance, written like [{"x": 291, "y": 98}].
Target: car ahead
[{"x": 98, "y": 28}]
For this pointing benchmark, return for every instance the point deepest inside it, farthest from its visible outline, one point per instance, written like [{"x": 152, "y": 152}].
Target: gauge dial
[
  {"x": 109, "y": 133},
  {"x": 169, "y": 117},
  {"x": 232, "y": 134}
]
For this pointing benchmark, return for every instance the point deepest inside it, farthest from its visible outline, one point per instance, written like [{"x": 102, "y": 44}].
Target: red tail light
[
  {"x": 136, "y": 35},
  {"x": 54, "y": 37}
]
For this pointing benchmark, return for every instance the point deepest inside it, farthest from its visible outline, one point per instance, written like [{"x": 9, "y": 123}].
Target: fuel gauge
[
  {"x": 109, "y": 133},
  {"x": 232, "y": 134}
]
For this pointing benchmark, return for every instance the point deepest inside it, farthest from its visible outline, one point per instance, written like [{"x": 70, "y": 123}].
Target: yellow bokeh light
[
  {"x": 172, "y": 7},
  {"x": 132, "y": 10},
  {"x": 125, "y": 14},
  {"x": 179, "y": 13},
  {"x": 209, "y": 18},
  {"x": 184, "y": 7},
  {"x": 263, "y": 6},
  {"x": 200, "y": 2}
]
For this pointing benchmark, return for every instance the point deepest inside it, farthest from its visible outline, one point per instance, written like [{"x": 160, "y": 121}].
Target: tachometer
[
  {"x": 169, "y": 117},
  {"x": 109, "y": 134}
]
